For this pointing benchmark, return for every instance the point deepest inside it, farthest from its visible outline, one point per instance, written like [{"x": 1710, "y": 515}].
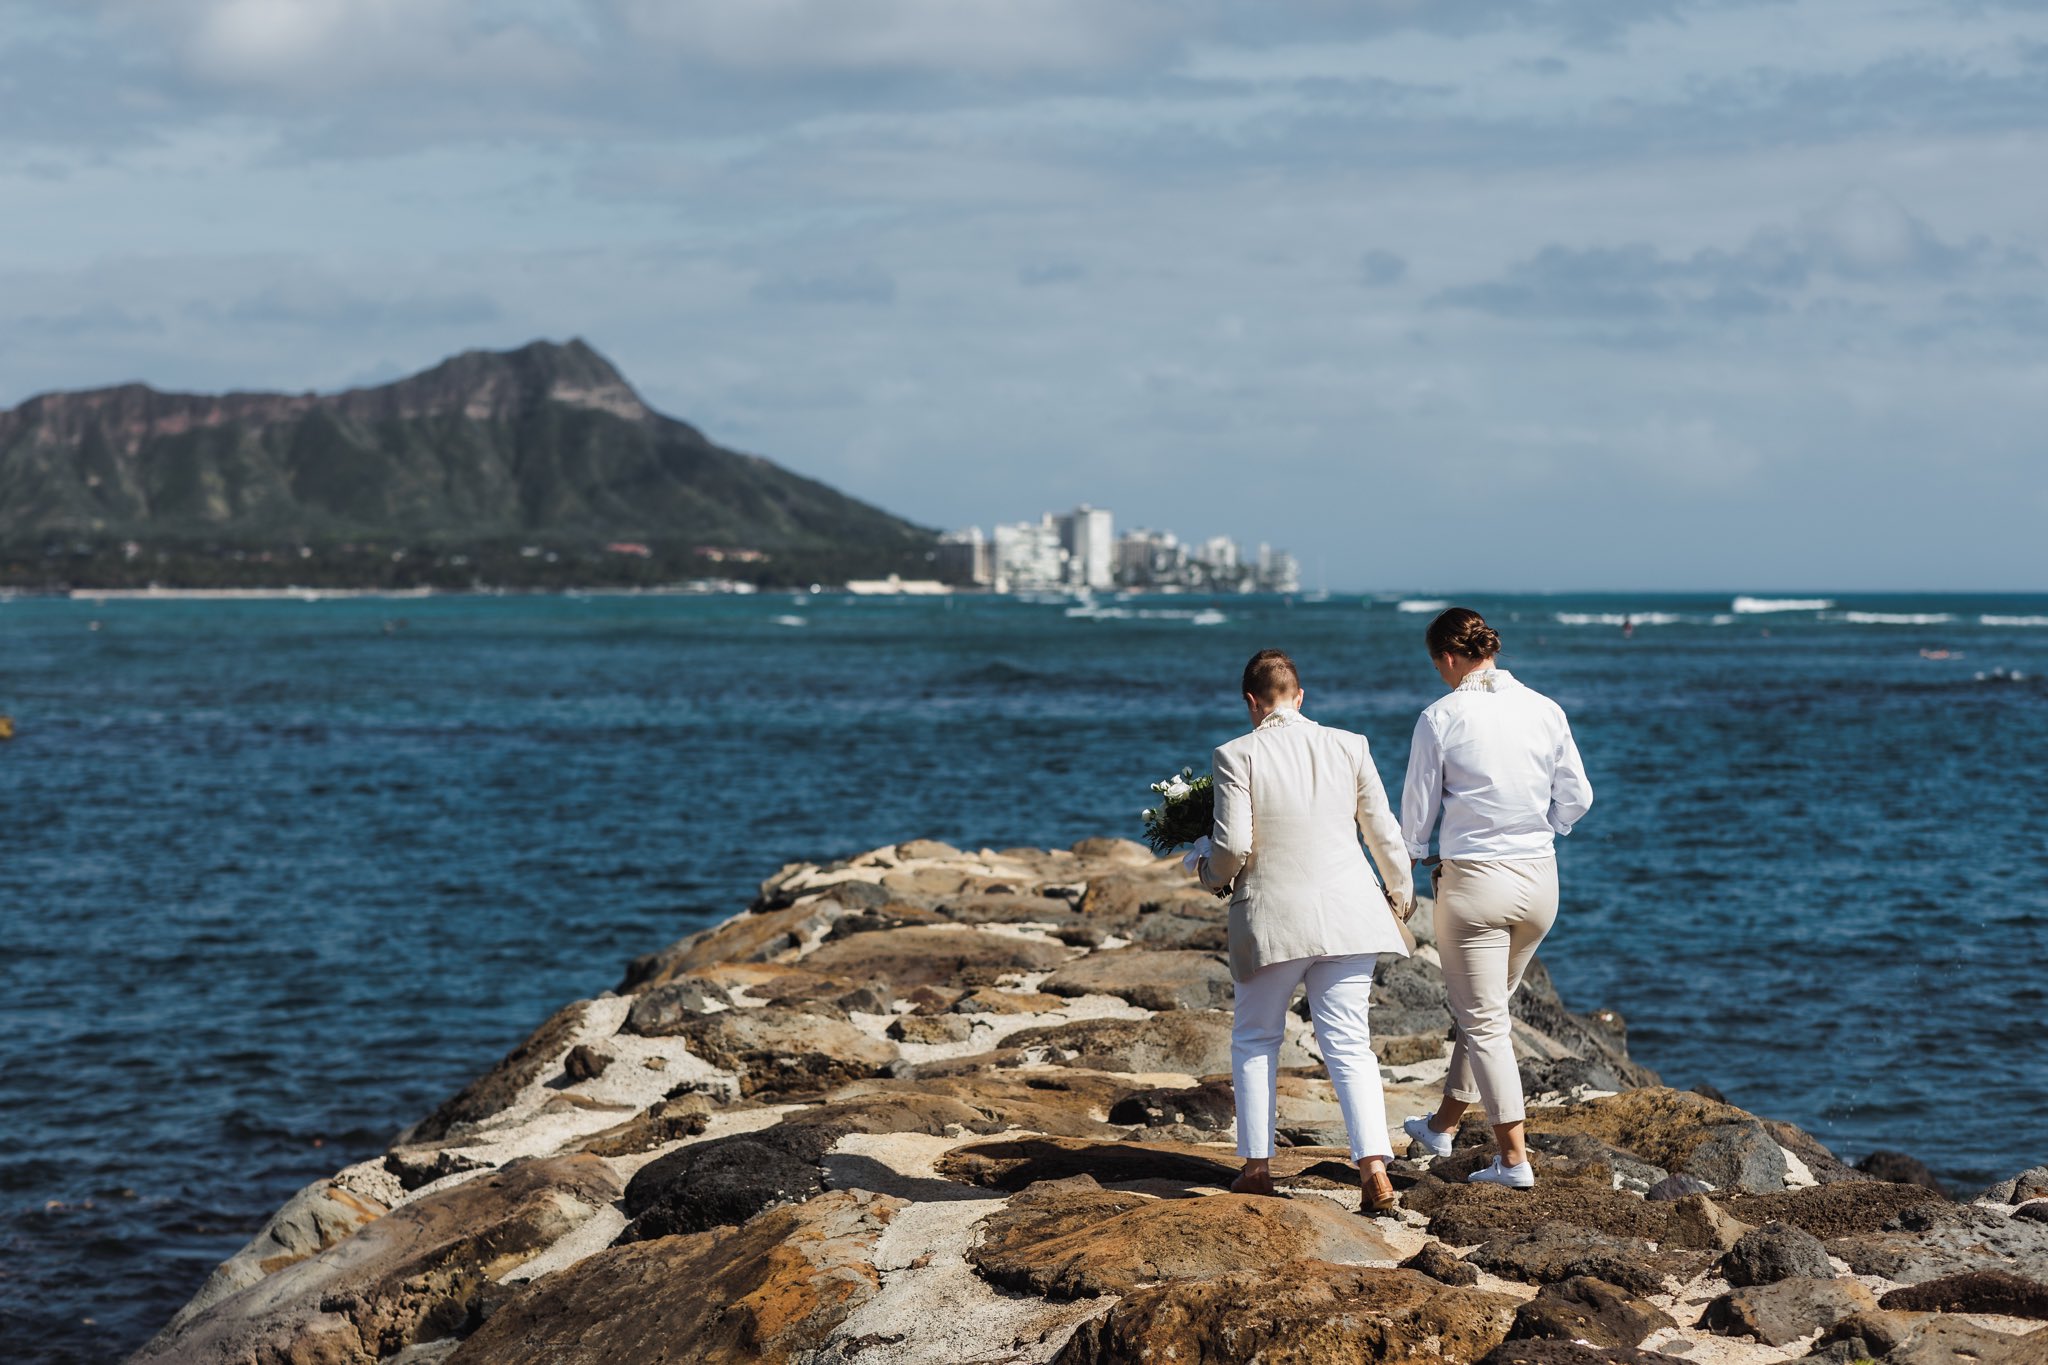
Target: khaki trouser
[{"x": 1489, "y": 918}]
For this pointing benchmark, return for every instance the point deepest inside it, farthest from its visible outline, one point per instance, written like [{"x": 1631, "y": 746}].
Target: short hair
[
  {"x": 1463, "y": 632},
  {"x": 1270, "y": 675}
]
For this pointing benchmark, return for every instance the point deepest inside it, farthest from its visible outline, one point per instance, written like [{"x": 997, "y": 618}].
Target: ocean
[{"x": 277, "y": 877}]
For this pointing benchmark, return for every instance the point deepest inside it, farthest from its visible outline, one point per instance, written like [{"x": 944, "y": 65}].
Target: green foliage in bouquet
[{"x": 1185, "y": 813}]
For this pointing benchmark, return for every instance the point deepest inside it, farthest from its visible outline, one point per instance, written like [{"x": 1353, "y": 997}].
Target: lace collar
[
  {"x": 1286, "y": 715},
  {"x": 1487, "y": 680}
]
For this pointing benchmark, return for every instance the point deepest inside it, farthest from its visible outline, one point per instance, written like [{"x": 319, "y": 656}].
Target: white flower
[{"x": 1147, "y": 814}]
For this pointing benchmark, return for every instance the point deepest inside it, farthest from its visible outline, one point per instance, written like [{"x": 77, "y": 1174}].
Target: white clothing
[
  {"x": 1292, "y": 798},
  {"x": 1497, "y": 760},
  {"x": 1339, "y": 994}
]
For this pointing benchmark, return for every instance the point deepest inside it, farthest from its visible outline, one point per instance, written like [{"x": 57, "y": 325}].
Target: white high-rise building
[
  {"x": 1028, "y": 555},
  {"x": 1089, "y": 537},
  {"x": 964, "y": 557}
]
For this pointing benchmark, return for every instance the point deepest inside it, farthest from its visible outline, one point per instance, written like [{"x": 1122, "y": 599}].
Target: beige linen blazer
[{"x": 1292, "y": 798}]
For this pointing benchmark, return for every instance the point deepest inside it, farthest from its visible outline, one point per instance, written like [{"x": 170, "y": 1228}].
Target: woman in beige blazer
[{"x": 1292, "y": 798}]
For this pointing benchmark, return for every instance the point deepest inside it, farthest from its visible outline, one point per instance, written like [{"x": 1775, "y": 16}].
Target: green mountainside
[{"x": 458, "y": 468}]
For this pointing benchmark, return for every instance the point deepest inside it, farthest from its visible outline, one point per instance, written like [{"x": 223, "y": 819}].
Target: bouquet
[{"x": 1186, "y": 811}]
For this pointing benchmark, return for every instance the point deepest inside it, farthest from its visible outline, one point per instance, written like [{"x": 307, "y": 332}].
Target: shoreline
[{"x": 932, "y": 1105}]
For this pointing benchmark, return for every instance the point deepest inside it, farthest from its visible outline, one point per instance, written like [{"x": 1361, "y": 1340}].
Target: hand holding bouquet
[{"x": 1186, "y": 811}]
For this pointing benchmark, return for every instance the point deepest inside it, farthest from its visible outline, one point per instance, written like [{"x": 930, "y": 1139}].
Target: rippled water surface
[{"x": 276, "y": 877}]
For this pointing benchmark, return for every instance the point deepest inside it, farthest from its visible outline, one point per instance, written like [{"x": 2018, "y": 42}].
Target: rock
[
  {"x": 1014, "y": 1163},
  {"x": 759, "y": 937},
  {"x": 1553, "y": 1252},
  {"x": 1899, "y": 1169},
  {"x": 666, "y": 1121},
  {"x": 2028, "y": 1184},
  {"x": 1009, "y": 909},
  {"x": 995, "y": 1000},
  {"x": 1739, "y": 1156},
  {"x": 730, "y": 1179},
  {"x": 1773, "y": 1252},
  {"x": 1131, "y": 895},
  {"x": 1552, "y": 1352},
  {"x": 662, "y": 1010},
  {"x": 1118, "y": 851},
  {"x": 1779, "y": 1314},
  {"x": 1830, "y": 1211},
  {"x": 1150, "y": 980},
  {"x": 497, "y": 1088},
  {"x": 1209, "y": 1106},
  {"x": 1064, "y": 1239},
  {"x": 1663, "y": 1127},
  {"x": 2036, "y": 1212},
  {"x": 1945, "y": 1341},
  {"x": 1436, "y": 1261},
  {"x": 1697, "y": 1223},
  {"x": 417, "y": 1274},
  {"x": 907, "y": 958},
  {"x": 1062, "y": 1102},
  {"x": 1675, "y": 1187},
  {"x": 1307, "y": 1313},
  {"x": 1600, "y": 1038},
  {"x": 929, "y": 851},
  {"x": 1409, "y": 1049},
  {"x": 1191, "y": 923},
  {"x": 1567, "y": 1076},
  {"x": 781, "y": 1049},
  {"x": 585, "y": 1063},
  {"x": 1193, "y": 1042},
  {"x": 1974, "y": 1291},
  {"x": 1591, "y": 1311},
  {"x": 417, "y": 1169},
  {"x": 1462, "y": 1214},
  {"x": 1630, "y": 1170},
  {"x": 931, "y": 1028},
  {"x": 772, "y": 1291},
  {"x": 1408, "y": 997},
  {"x": 1928, "y": 1241}
]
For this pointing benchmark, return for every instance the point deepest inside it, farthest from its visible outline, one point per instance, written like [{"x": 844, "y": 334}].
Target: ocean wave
[
  {"x": 1206, "y": 616},
  {"x": 1614, "y": 618},
  {"x": 1896, "y": 618},
  {"x": 2013, "y": 620},
  {"x": 1418, "y": 604},
  {"x": 1747, "y": 606},
  {"x": 790, "y": 621}
]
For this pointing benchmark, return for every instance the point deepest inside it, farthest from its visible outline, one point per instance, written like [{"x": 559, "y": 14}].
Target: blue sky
[{"x": 1471, "y": 293}]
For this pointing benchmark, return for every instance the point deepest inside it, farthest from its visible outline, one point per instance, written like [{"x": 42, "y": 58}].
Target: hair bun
[{"x": 1463, "y": 632}]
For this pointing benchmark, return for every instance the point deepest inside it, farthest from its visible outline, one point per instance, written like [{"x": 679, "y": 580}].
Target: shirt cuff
[{"x": 1418, "y": 851}]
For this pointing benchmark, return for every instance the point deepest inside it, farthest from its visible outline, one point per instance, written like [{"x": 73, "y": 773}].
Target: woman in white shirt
[{"x": 1496, "y": 761}]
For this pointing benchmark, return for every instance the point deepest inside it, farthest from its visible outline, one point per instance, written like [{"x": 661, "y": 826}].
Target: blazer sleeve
[
  {"x": 1383, "y": 833},
  {"x": 1230, "y": 844}
]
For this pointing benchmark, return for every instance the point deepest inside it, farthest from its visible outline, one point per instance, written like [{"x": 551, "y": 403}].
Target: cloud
[
  {"x": 1379, "y": 268},
  {"x": 865, "y": 285},
  {"x": 1038, "y": 274},
  {"x": 320, "y": 304}
]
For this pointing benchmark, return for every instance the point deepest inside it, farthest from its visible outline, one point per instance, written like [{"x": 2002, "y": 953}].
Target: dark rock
[
  {"x": 772, "y": 1291},
  {"x": 1552, "y": 1352},
  {"x": 1149, "y": 979},
  {"x": 1407, "y": 1049},
  {"x": 1306, "y": 1313},
  {"x": 1633, "y": 1172},
  {"x": 1917, "y": 1339},
  {"x": 1209, "y": 1106},
  {"x": 1553, "y": 1252},
  {"x": 417, "y": 1274},
  {"x": 756, "y": 937},
  {"x": 1408, "y": 997},
  {"x": 661, "y": 1010},
  {"x": 417, "y": 1169},
  {"x": 782, "y": 1049},
  {"x": 2028, "y": 1184},
  {"x": 1599, "y": 1038},
  {"x": 1823, "y": 1165},
  {"x": 1773, "y": 1252},
  {"x": 1779, "y": 1314},
  {"x": 1697, "y": 1223},
  {"x": 1663, "y": 1127},
  {"x": 1931, "y": 1240},
  {"x": 1830, "y": 1211},
  {"x": 1900, "y": 1169},
  {"x": 872, "y": 998},
  {"x": 1569, "y": 1075},
  {"x": 1436, "y": 1261},
  {"x": 1192, "y": 928},
  {"x": 1014, "y": 1163},
  {"x": 668, "y": 1120},
  {"x": 1739, "y": 1156},
  {"x": 497, "y": 1088},
  {"x": 585, "y": 1063},
  {"x": 1675, "y": 1187},
  {"x": 1462, "y": 1214},
  {"x": 1974, "y": 1291},
  {"x": 2036, "y": 1211},
  {"x": 1070, "y": 1239},
  {"x": 1712, "y": 1092},
  {"x": 728, "y": 1180},
  {"x": 1589, "y": 1310}
]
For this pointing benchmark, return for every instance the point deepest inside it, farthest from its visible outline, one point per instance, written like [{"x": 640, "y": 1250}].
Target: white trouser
[{"x": 1339, "y": 993}]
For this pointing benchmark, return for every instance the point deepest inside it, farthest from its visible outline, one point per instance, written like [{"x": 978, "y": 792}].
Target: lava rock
[
  {"x": 1739, "y": 1156},
  {"x": 1151, "y": 980},
  {"x": 1195, "y": 1042},
  {"x": 1553, "y": 1352},
  {"x": 416, "y": 1170},
  {"x": 1589, "y": 1310},
  {"x": 931, "y": 1028},
  {"x": 934, "y": 956},
  {"x": 1554, "y": 1252},
  {"x": 1938, "y": 1239},
  {"x": 1675, "y": 1187},
  {"x": 496, "y": 1089},
  {"x": 1781, "y": 1313},
  {"x": 1831, "y": 1211},
  {"x": 782, "y": 1049},
  {"x": 1439, "y": 1263},
  {"x": 585, "y": 1063},
  {"x": 1210, "y": 1106},
  {"x": 1974, "y": 1291},
  {"x": 1899, "y": 1169},
  {"x": 2028, "y": 1184},
  {"x": 1773, "y": 1252},
  {"x": 1699, "y": 1224},
  {"x": 661, "y": 1010},
  {"x": 2037, "y": 1211}
]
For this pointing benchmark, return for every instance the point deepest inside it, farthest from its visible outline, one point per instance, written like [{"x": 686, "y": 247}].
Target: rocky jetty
[{"x": 927, "y": 1105}]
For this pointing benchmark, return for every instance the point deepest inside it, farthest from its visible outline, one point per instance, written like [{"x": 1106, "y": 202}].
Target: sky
[{"x": 1507, "y": 294}]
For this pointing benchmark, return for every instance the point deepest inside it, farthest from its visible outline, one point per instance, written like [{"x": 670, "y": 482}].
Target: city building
[
  {"x": 964, "y": 557},
  {"x": 1088, "y": 535},
  {"x": 1029, "y": 556},
  {"x": 1080, "y": 550}
]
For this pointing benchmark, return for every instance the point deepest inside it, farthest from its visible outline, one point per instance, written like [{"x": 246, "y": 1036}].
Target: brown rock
[
  {"x": 774, "y": 1290},
  {"x": 996, "y": 1000},
  {"x": 1306, "y": 1313},
  {"x": 947, "y": 957},
  {"x": 1059, "y": 1101},
  {"x": 1150, "y": 980},
  {"x": 1552, "y": 1352},
  {"x": 1437, "y": 1261},
  {"x": 1948, "y": 1341},
  {"x": 585, "y": 1063},
  {"x": 1974, "y": 1291},
  {"x": 669, "y": 1120},
  {"x": 1589, "y": 1310},
  {"x": 417, "y": 1274},
  {"x": 497, "y": 1088},
  {"x": 1001, "y": 909},
  {"x": 758, "y": 937},
  {"x": 1781, "y": 1313},
  {"x": 927, "y": 851},
  {"x": 1209, "y": 1105},
  {"x": 1697, "y": 1223},
  {"x": 1196, "y": 1042},
  {"x": 780, "y": 1049},
  {"x": 1014, "y": 1163},
  {"x": 1131, "y": 895},
  {"x": 931, "y": 1028},
  {"x": 1830, "y": 1211},
  {"x": 1128, "y": 851},
  {"x": 1551, "y": 1253},
  {"x": 1069, "y": 1239},
  {"x": 1462, "y": 1214},
  {"x": 1660, "y": 1125},
  {"x": 1407, "y": 1049}
]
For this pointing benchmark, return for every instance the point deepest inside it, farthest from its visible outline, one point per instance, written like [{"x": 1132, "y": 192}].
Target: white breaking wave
[
  {"x": 1751, "y": 605},
  {"x": 1895, "y": 618},
  {"x": 1419, "y": 604},
  {"x": 2013, "y": 620},
  {"x": 1611, "y": 618},
  {"x": 1207, "y": 616},
  {"x": 791, "y": 621}
]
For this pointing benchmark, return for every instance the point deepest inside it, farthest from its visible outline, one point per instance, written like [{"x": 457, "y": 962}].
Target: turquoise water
[{"x": 279, "y": 876}]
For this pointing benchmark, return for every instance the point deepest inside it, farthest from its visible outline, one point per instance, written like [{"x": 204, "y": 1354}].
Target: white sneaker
[
  {"x": 1437, "y": 1144},
  {"x": 1522, "y": 1177}
]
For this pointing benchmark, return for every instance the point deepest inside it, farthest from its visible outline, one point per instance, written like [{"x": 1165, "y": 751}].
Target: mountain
[{"x": 544, "y": 443}]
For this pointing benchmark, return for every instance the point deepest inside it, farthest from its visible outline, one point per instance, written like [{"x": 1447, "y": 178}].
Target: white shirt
[{"x": 1496, "y": 759}]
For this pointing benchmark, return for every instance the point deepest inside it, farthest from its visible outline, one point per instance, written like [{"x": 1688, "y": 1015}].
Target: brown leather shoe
[{"x": 1377, "y": 1193}]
